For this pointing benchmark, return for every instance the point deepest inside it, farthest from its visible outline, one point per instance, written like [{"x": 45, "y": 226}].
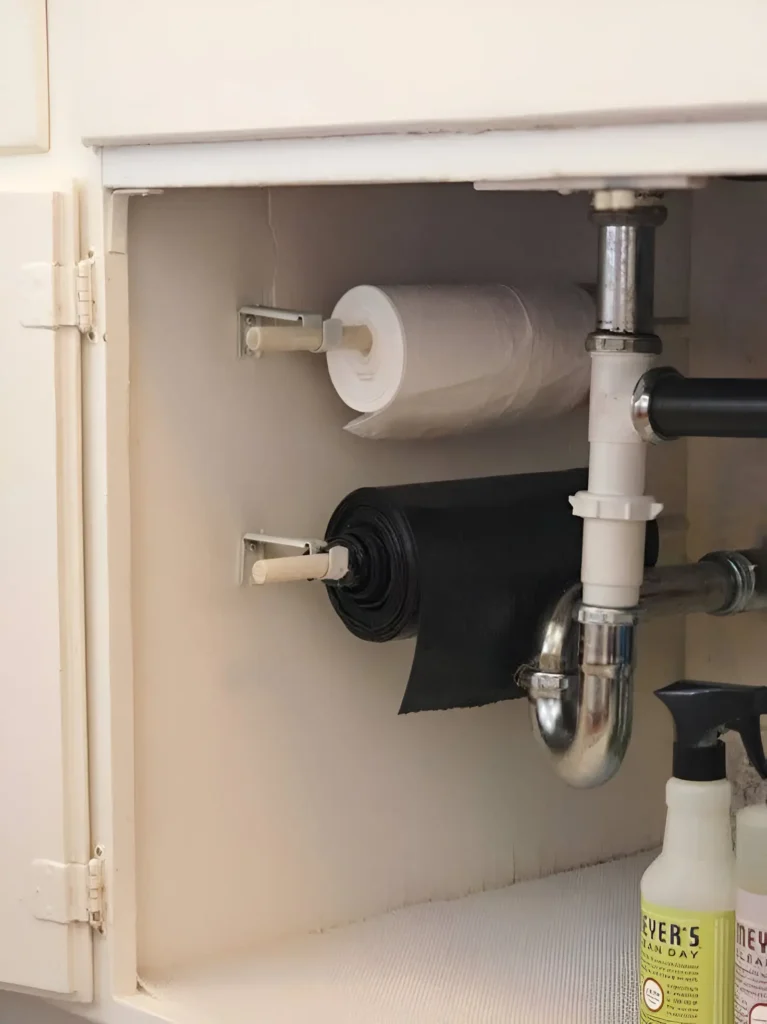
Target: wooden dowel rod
[
  {"x": 291, "y": 569},
  {"x": 294, "y": 338},
  {"x": 357, "y": 336},
  {"x": 288, "y": 338}
]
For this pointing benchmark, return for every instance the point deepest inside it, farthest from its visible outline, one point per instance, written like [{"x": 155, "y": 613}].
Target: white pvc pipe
[
  {"x": 612, "y": 568},
  {"x": 615, "y": 508}
]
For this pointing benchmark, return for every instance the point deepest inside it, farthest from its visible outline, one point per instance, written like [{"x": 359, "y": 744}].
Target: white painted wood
[
  {"x": 109, "y": 600},
  {"x": 639, "y": 152},
  {"x": 291, "y": 569},
  {"x": 225, "y": 69},
  {"x": 296, "y": 338},
  {"x": 23, "y": 76},
  {"x": 269, "y": 754},
  {"x": 108, "y": 656},
  {"x": 43, "y": 739}
]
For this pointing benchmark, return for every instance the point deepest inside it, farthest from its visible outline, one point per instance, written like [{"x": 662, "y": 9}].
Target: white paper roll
[{"x": 451, "y": 358}]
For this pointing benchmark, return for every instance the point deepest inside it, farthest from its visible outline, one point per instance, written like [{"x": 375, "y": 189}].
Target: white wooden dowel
[
  {"x": 327, "y": 565},
  {"x": 294, "y": 338},
  {"x": 287, "y": 338},
  {"x": 357, "y": 336},
  {"x": 291, "y": 569}
]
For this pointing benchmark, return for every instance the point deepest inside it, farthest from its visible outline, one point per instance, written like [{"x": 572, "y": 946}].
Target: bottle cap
[
  {"x": 702, "y": 713},
  {"x": 700, "y": 764}
]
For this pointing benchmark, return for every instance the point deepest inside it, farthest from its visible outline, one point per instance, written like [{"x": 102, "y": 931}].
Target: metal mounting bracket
[
  {"x": 254, "y": 547},
  {"x": 254, "y": 316}
]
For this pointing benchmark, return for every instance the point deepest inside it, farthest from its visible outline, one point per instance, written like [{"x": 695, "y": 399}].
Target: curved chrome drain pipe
[{"x": 581, "y": 685}]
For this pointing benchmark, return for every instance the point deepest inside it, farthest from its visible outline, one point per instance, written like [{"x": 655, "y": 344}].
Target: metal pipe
[
  {"x": 667, "y": 405},
  {"x": 581, "y": 686},
  {"x": 615, "y": 508},
  {"x": 627, "y": 270},
  {"x": 682, "y": 589},
  {"x": 582, "y": 713}
]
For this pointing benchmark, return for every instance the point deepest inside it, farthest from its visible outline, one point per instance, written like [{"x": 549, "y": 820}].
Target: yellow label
[{"x": 687, "y": 963}]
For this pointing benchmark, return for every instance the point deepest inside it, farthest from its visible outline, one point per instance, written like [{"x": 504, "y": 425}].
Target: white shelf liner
[{"x": 561, "y": 950}]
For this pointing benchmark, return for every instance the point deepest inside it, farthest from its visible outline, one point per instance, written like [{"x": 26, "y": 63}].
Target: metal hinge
[
  {"x": 83, "y": 292},
  {"x": 54, "y": 296},
  {"x": 69, "y": 893}
]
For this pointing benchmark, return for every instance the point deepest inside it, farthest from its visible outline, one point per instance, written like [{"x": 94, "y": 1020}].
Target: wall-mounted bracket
[
  {"x": 264, "y": 329},
  {"x": 257, "y": 323},
  {"x": 257, "y": 546}
]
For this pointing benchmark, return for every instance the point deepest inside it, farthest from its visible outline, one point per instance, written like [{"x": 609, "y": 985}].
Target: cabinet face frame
[{"x": 661, "y": 155}]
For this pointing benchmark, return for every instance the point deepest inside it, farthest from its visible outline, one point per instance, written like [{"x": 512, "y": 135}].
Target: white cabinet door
[
  {"x": 44, "y": 822},
  {"x": 211, "y": 69},
  {"x": 23, "y": 76}
]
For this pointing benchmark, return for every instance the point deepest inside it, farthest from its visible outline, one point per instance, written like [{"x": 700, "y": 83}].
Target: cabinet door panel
[
  {"x": 23, "y": 76},
  {"x": 43, "y": 731}
]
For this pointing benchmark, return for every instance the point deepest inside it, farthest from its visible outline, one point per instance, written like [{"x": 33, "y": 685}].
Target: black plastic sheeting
[{"x": 469, "y": 567}]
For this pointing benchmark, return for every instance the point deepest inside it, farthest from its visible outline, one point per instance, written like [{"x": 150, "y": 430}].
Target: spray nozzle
[{"x": 702, "y": 712}]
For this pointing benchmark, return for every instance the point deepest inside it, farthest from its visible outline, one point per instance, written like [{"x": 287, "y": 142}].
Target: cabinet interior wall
[{"x": 277, "y": 790}]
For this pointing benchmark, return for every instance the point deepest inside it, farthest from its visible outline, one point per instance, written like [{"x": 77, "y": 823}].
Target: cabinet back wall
[{"x": 277, "y": 790}]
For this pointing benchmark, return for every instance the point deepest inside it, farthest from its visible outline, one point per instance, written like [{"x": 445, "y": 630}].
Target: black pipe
[{"x": 707, "y": 407}]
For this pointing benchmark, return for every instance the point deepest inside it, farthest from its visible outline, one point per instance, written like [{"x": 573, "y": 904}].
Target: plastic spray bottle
[
  {"x": 751, "y": 916},
  {"x": 687, "y": 941}
]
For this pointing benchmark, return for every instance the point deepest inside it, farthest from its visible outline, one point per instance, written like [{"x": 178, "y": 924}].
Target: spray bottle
[
  {"x": 687, "y": 944},
  {"x": 751, "y": 916}
]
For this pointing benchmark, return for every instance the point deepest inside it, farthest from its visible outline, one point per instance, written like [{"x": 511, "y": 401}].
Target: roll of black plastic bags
[{"x": 468, "y": 567}]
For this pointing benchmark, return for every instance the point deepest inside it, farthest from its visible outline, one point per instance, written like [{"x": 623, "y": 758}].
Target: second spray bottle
[{"x": 692, "y": 969}]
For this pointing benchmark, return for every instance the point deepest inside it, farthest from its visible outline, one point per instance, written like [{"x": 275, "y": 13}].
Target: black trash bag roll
[{"x": 469, "y": 567}]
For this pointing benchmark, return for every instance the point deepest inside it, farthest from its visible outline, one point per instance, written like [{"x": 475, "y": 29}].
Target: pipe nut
[
  {"x": 743, "y": 575},
  {"x": 591, "y": 615},
  {"x": 546, "y": 684},
  {"x": 611, "y": 341},
  {"x": 624, "y": 508},
  {"x": 641, "y": 399}
]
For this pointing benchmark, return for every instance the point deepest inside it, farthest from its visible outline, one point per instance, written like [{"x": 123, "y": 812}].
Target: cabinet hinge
[
  {"x": 54, "y": 296},
  {"x": 68, "y": 893},
  {"x": 84, "y": 295}
]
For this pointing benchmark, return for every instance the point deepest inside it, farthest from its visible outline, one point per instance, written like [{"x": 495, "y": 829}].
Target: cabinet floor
[{"x": 561, "y": 950}]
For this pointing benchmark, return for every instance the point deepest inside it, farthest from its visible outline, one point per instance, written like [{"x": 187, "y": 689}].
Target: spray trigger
[
  {"x": 702, "y": 712},
  {"x": 751, "y": 733}
]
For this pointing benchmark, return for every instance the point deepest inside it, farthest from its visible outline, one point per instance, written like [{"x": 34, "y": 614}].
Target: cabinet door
[
  {"x": 228, "y": 68},
  {"x": 44, "y": 823},
  {"x": 23, "y": 76}
]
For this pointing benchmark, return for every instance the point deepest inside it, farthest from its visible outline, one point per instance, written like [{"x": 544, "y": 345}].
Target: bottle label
[
  {"x": 750, "y": 958},
  {"x": 686, "y": 966}
]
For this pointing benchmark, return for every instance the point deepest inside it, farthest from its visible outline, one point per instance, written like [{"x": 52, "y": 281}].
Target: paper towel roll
[{"x": 452, "y": 358}]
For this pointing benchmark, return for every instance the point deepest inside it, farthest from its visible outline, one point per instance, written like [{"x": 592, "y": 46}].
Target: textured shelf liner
[{"x": 561, "y": 950}]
